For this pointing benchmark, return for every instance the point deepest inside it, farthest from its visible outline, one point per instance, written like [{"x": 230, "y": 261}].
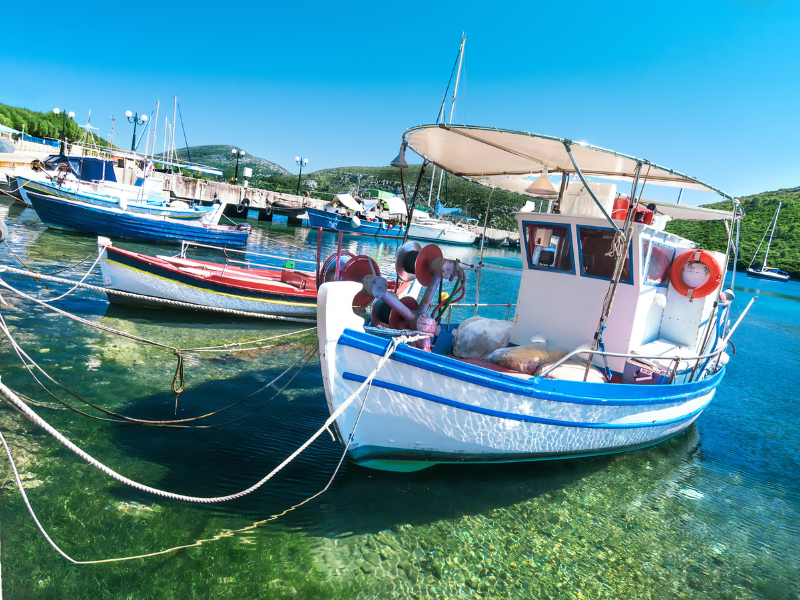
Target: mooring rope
[
  {"x": 9, "y": 395},
  {"x": 196, "y": 543},
  {"x": 120, "y": 418},
  {"x": 22, "y": 407},
  {"x": 154, "y": 299},
  {"x": 69, "y": 268}
]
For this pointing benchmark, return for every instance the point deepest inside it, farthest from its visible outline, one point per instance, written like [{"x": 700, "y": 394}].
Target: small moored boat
[{"x": 61, "y": 208}]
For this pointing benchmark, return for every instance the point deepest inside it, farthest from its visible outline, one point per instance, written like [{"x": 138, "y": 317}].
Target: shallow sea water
[{"x": 712, "y": 513}]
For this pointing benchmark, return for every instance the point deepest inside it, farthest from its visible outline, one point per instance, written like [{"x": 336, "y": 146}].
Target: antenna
[{"x": 111, "y": 133}]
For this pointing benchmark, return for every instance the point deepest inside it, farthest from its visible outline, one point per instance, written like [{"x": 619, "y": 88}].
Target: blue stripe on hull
[
  {"x": 576, "y": 392},
  {"x": 73, "y": 216},
  {"x": 516, "y": 416}
]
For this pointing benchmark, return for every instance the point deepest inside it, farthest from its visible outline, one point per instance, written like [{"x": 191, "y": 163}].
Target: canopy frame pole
[
  {"x": 738, "y": 224},
  {"x": 623, "y": 255},
  {"x": 561, "y": 190},
  {"x": 567, "y": 147},
  {"x": 714, "y": 311},
  {"x": 480, "y": 258},
  {"x": 410, "y": 210}
]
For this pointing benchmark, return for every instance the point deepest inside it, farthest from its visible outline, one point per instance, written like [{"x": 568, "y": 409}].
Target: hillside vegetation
[
  {"x": 759, "y": 209},
  {"x": 221, "y": 157},
  {"x": 470, "y": 197},
  {"x": 44, "y": 125}
]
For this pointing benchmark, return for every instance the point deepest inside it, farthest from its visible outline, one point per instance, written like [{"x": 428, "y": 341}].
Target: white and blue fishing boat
[
  {"x": 618, "y": 341},
  {"x": 62, "y": 208}
]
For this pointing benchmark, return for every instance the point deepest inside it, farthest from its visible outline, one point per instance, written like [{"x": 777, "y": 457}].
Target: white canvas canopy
[
  {"x": 480, "y": 153},
  {"x": 348, "y": 202},
  {"x": 395, "y": 205}
]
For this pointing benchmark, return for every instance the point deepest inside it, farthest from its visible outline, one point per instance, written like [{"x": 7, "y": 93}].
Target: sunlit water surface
[{"x": 710, "y": 514}]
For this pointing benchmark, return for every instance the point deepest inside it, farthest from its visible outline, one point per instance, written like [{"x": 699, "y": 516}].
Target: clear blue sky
[{"x": 709, "y": 88}]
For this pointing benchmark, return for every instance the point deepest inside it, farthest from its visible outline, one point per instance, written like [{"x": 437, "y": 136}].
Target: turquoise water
[{"x": 710, "y": 514}]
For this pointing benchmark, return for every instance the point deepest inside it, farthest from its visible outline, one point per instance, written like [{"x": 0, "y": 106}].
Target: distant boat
[
  {"x": 60, "y": 208},
  {"x": 430, "y": 229},
  {"x": 350, "y": 217},
  {"x": 765, "y": 272}
]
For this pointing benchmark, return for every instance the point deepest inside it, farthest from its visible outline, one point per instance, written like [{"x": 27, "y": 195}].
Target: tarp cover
[
  {"x": 4, "y": 129},
  {"x": 369, "y": 203},
  {"x": 395, "y": 205},
  {"x": 349, "y": 202},
  {"x": 481, "y": 152},
  {"x": 6, "y": 146},
  {"x": 86, "y": 168}
]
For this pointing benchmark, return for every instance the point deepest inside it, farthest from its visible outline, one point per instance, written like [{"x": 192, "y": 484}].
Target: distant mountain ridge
[{"x": 222, "y": 157}]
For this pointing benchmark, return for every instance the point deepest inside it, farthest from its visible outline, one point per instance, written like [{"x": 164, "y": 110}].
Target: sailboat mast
[
  {"x": 172, "y": 134},
  {"x": 450, "y": 121},
  {"x": 155, "y": 129},
  {"x": 775, "y": 222},
  {"x": 458, "y": 77}
]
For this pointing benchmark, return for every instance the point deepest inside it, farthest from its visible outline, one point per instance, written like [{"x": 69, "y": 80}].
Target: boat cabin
[{"x": 566, "y": 275}]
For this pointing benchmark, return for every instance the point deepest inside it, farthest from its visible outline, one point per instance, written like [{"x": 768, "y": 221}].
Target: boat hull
[
  {"x": 68, "y": 215},
  {"x": 334, "y": 222},
  {"x": 440, "y": 235},
  {"x": 124, "y": 272},
  {"x": 768, "y": 275},
  {"x": 423, "y": 409}
]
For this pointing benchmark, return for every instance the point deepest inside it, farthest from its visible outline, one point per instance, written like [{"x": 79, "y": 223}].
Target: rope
[
  {"x": 11, "y": 397},
  {"x": 72, "y": 289},
  {"x": 154, "y": 299},
  {"x": 199, "y": 542},
  {"x": 120, "y": 418},
  {"x": 69, "y": 268}
]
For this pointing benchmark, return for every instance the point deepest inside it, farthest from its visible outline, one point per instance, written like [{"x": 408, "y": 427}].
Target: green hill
[
  {"x": 220, "y": 156},
  {"x": 759, "y": 209},
  {"x": 44, "y": 125}
]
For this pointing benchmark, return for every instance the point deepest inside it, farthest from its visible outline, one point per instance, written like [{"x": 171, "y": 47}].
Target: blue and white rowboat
[{"x": 59, "y": 212}]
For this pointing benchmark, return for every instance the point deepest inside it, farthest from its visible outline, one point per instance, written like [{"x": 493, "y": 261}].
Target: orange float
[{"x": 703, "y": 256}]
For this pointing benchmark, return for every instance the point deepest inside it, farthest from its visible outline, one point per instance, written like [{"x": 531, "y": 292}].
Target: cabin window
[
  {"x": 595, "y": 245},
  {"x": 549, "y": 247},
  {"x": 656, "y": 263}
]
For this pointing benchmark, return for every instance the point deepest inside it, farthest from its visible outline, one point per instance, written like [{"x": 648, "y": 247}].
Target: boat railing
[
  {"x": 185, "y": 245},
  {"x": 508, "y": 306},
  {"x": 723, "y": 345}
]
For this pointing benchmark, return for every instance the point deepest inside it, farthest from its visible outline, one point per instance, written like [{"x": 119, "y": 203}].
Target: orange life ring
[{"x": 714, "y": 277}]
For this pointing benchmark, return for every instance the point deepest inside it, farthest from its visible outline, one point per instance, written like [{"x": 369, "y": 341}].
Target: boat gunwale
[{"x": 573, "y": 392}]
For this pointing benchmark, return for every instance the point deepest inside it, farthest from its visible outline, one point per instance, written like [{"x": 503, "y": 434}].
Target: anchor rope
[
  {"x": 69, "y": 268},
  {"x": 196, "y": 543},
  {"x": 120, "y": 418},
  {"x": 154, "y": 299},
  {"x": 10, "y": 396}
]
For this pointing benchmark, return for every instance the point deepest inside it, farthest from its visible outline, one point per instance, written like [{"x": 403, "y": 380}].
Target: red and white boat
[{"x": 251, "y": 288}]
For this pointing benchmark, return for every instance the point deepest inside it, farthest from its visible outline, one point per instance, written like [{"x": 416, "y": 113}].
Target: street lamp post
[
  {"x": 64, "y": 117},
  {"x": 301, "y": 162},
  {"x": 358, "y": 189},
  {"x": 136, "y": 121},
  {"x": 238, "y": 154}
]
